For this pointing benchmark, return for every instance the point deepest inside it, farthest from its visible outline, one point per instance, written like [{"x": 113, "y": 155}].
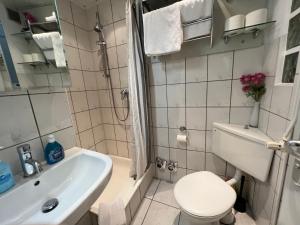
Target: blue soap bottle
[
  {"x": 54, "y": 152},
  {"x": 6, "y": 177}
]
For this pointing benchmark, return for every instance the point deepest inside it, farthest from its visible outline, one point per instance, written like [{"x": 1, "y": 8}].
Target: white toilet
[{"x": 204, "y": 198}]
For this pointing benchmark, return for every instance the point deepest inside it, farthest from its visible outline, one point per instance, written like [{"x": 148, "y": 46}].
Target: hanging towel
[
  {"x": 112, "y": 213},
  {"x": 49, "y": 41},
  {"x": 195, "y": 9},
  {"x": 163, "y": 31}
]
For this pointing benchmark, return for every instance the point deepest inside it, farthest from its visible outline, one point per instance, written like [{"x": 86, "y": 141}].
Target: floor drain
[{"x": 50, "y": 205}]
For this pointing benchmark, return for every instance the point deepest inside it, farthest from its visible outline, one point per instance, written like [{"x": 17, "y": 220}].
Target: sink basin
[{"x": 76, "y": 182}]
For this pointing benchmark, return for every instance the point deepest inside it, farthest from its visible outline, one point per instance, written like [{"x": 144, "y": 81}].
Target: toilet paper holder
[{"x": 182, "y": 128}]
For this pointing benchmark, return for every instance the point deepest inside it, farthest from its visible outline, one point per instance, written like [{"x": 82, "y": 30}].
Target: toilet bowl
[{"x": 204, "y": 198}]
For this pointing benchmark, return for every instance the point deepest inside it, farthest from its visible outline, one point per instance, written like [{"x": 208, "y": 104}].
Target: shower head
[{"x": 98, "y": 27}]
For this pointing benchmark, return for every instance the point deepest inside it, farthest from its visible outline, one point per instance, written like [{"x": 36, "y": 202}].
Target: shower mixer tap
[{"x": 124, "y": 93}]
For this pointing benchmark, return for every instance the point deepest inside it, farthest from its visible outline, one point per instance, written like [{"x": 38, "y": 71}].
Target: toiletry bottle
[
  {"x": 6, "y": 177},
  {"x": 54, "y": 152}
]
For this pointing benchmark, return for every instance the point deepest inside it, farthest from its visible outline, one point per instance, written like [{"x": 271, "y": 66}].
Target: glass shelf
[
  {"x": 254, "y": 29},
  {"x": 25, "y": 34},
  {"x": 36, "y": 63}
]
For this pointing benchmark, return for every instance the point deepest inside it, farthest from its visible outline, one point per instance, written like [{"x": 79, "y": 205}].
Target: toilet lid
[{"x": 204, "y": 194}]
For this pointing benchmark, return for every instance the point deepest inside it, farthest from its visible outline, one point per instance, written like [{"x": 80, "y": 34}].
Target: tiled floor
[{"x": 160, "y": 208}]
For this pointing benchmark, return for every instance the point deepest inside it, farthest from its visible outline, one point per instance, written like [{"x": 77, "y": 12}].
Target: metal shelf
[{"x": 254, "y": 29}]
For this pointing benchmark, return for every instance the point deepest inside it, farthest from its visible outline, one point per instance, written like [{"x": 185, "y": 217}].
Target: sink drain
[{"x": 50, "y": 205}]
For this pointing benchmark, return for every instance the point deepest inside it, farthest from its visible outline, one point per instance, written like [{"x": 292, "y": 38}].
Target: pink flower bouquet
[{"x": 254, "y": 85}]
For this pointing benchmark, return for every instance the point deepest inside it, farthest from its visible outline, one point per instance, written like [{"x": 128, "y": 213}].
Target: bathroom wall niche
[{"x": 32, "y": 46}]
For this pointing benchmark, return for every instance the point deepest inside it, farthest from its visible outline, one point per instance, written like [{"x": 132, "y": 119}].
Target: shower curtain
[{"x": 137, "y": 80}]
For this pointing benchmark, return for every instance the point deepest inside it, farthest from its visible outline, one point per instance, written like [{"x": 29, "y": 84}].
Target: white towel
[
  {"x": 52, "y": 40},
  {"x": 163, "y": 31},
  {"x": 195, "y": 9},
  {"x": 112, "y": 213}
]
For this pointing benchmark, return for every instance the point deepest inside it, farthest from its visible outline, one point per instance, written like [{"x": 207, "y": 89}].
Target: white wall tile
[
  {"x": 158, "y": 74},
  {"x": 159, "y": 116},
  {"x": 196, "y": 94},
  {"x": 196, "y": 118},
  {"x": 267, "y": 97},
  {"x": 72, "y": 56},
  {"x": 121, "y": 32},
  {"x": 90, "y": 80},
  {"x": 196, "y": 69},
  {"x": 122, "y": 52},
  {"x": 124, "y": 77},
  {"x": 158, "y": 96},
  {"x": 109, "y": 131},
  {"x": 87, "y": 139},
  {"x": 83, "y": 121},
  {"x": 195, "y": 160},
  {"x": 196, "y": 140},
  {"x": 120, "y": 132},
  {"x": 111, "y": 147},
  {"x": 118, "y": 9},
  {"x": 86, "y": 60},
  {"x": 51, "y": 112},
  {"x": 178, "y": 155},
  {"x": 107, "y": 115},
  {"x": 95, "y": 117},
  {"x": 276, "y": 127},
  {"x": 98, "y": 133},
  {"x": 104, "y": 96},
  {"x": 160, "y": 136},
  {"x": 79, "y": 16},
  {"x": 217, "y": 115},
  {"x": 109, "y": 35},
  {"x": 79, "y": 101},
  {"x": 64, "y": 10},
  {"x": 218, "y": 72},
  {"x": 218, "y": 93},
  {"x": 112, "y": 57},
  {"x": 248, "y": 61},
  {"x": 176, "y": 117},
  {"x": 215, "y": 164},
  {"x": 240, "y": 115},
  {"x": 115, "y": 78},
  {"x": 68, "y": 32},
  {"x": 82, "y": 39},
  {"x": 280, "y": 103},
  {"x": 105, "y": 12},
  {"x": 175, "y": 71},
  {"x": 93, "y": 99},
  {"x": 77, "y": 80},
  {"x": 17, "y": 121},
  {"x": 176, "y": 95},
  {"x": 162, "y": 152}
]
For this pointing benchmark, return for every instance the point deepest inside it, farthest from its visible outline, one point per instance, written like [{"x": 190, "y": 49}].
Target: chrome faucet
[{"x": 29, "y": 165}]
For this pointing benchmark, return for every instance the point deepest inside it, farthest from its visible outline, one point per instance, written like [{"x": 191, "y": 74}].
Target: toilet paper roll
[{"x": 182, "y": 138}]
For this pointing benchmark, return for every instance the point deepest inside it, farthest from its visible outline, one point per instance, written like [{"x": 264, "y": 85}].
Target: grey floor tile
[
  {"x": 152, "y": 188},
  {"x": 141, "y": 212},
  {"x": 165, "y": 194}
]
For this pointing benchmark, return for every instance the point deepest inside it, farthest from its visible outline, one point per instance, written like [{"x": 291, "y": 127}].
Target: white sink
[{"x": 76, "y": 182}]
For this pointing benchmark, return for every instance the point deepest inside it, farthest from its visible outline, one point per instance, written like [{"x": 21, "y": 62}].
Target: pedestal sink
[{"x": 76, "y": 182}]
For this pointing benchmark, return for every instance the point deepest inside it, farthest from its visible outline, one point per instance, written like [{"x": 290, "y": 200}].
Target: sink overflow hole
[
  {"x": 36, "y": 183},
  {"x": 50, "y": 205}
]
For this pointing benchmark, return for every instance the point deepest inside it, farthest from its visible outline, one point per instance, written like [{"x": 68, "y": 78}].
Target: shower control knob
[{"x": 172, "y": 166}]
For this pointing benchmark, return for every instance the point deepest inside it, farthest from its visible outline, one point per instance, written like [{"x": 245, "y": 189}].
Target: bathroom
[{"x": 135, "y": 127}]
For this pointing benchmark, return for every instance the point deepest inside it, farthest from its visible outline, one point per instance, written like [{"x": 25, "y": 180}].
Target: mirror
[{"x": 32, "y": 52}]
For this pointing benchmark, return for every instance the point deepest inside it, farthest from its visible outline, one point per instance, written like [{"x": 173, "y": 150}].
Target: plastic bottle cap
[{"x": 51, "y": 138}]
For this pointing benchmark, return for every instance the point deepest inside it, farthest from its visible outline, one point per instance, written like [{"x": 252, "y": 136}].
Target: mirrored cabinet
[{"x": 31, "y": 46}]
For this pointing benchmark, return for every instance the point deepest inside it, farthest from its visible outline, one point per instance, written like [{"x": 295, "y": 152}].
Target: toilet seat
[{"x": 204, "y": 195}]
